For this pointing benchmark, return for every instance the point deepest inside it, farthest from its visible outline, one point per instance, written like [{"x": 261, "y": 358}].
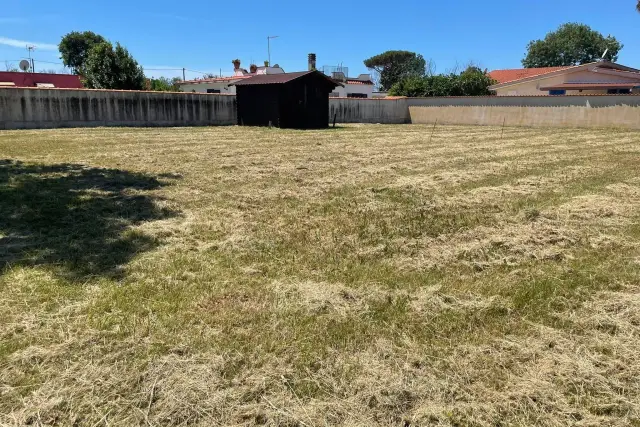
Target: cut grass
[{"x": 358, "y": 276}]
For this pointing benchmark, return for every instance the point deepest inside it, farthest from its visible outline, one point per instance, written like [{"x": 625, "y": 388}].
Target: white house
[
  {"x": 353, "y": 87},
  {"x": 350, "y": 87},
  {"x": 595, "y": 78},
  {"x": 225, "y": 84}
]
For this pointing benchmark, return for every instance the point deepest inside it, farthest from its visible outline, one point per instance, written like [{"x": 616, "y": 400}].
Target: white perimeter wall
[
  {"x": 30, "y": 108},
  {"x": 26, "y": 108}
]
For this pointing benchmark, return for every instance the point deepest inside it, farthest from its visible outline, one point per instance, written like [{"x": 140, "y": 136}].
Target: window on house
[
  {"x": 356, "y": 95},
  {"x": 618, "y": 91},
  {"x": 558, "y": 92},
  {"x": 213, "y": 90}
]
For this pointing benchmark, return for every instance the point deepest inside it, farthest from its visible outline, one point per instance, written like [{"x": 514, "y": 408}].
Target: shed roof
[{"x": 265, "y": 79}]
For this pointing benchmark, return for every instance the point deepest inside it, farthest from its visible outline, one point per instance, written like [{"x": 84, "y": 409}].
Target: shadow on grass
[{"x": 74, "y": 218}]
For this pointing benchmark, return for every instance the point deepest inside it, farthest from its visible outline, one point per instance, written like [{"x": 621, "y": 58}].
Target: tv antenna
[
  {"x": 269, "y": 46},
  {"x": 31, "y": 48}
]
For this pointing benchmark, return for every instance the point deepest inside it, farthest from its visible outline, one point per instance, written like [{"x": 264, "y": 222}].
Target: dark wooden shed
[{"x": 287, "y": 100}]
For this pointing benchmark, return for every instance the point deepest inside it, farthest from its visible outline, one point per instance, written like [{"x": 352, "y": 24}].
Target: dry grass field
[{"x": 358, "y": 276}]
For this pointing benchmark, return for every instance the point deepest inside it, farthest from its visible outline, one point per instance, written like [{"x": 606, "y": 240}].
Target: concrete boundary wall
[
  {"x": 30, "y": 108},
  {"x": 620, "y": 116},
  {"x": 358, "y": 110},
  {"x": 527, "y": 101},
  {"x": 25, "y": 108}
]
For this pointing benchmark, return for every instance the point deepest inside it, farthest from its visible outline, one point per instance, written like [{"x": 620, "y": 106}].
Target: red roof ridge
[{"x": 359, "y": 82}]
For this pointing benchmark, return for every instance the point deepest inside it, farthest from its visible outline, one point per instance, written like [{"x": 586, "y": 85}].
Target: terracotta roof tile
[
  {"x": 505, "y": 76},
  {"x": 358, "y": 82}
]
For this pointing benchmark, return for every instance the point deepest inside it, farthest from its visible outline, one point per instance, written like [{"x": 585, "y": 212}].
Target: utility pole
[
  {"x": 269, "y": 47},
  {"x": 183, "y": 75}
]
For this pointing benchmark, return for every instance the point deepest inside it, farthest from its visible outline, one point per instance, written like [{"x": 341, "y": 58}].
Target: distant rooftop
[
  {"x": 505, "y": 76},
  {"x": 22, "y": 79}
]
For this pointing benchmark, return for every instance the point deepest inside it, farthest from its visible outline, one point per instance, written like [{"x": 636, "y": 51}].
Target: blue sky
[{"x": 206, "y": 36}]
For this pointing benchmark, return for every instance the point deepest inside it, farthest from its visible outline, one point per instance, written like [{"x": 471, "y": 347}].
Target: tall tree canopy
[
  {"x": 107, "y": 67},
  {"x": 471, "y": 82},
  {"x": 570, "y": 44},
  {"x": 75, "y": 46},
  {"x": 396, "y": 65}
]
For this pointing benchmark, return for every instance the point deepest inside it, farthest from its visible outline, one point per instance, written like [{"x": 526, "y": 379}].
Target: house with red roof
[
  {"x": 352, "y": 87},
  {"x": 596, "y": 78},
  {"x": 41, "y": 80},
  {"x": 227, "y": 84}
]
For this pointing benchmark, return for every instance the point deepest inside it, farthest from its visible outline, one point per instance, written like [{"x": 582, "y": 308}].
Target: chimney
[
  {"x": 253, "y": 68},
  {"x": 312, "y": 62},
  {"x": 236, "y": 64}
]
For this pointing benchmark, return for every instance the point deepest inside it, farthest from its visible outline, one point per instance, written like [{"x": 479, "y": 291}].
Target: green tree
[
  {"x": 163, "y": 84},
  {"x": 107, "y": 67},
  {"x": 394, "y": 66},
  {"x": 570, "y": 44},
  {"x": 471, "y": 82},
  {"x": 475, "y": 82},
  {"x": 411, "y": 86},
  {"x": 75, "y": 46}
]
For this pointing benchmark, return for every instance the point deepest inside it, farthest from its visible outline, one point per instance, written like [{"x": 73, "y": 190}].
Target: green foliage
[
  {"x": 163, "y": 84},
  {"x": 394, "y": 66},
  {"x": 570, "y": 44},
  {"x": 107, "y": 67},
  {"x": 471, "y": 82},
  {"x": 475, "y": 82},
  {"x": 75, "y": 46}
]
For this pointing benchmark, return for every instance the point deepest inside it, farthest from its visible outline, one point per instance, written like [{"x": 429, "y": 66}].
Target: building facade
[
  {"x": 597, "y": 78},
  {"x": 358, "y": 87}
]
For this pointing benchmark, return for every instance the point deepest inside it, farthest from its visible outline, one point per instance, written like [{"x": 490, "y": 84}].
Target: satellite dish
[{"x": 24, "y": 65}]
